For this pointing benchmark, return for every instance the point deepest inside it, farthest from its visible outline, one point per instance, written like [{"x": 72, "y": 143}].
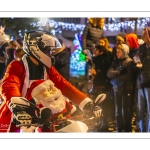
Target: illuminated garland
[
  {"x": 58, "y": 27},
  {"x": 115, "y": 26}
]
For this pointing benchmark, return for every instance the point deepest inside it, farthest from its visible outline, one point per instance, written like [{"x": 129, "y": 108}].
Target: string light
[
  {"x": 58, "y": 27},
  {"x": 43, "y": 21},
  {"x": 115, "y": 26}
]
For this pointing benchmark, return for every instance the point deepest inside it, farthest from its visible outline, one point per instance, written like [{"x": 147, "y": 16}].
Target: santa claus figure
[{"x": 47, "y": 95}]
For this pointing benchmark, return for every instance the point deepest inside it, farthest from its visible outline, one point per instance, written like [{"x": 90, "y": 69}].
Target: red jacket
[{"x": 12, "y": 85}]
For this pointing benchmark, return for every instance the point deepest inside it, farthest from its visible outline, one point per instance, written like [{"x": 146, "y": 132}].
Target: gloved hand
[
  {"x": 90, "y": 109},
  {"x": 23, "y": 110},
  {"x": 97, "y": 111}
]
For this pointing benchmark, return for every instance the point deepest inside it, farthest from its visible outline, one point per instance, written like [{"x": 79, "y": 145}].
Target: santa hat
[{"x": 37, "y": 87}]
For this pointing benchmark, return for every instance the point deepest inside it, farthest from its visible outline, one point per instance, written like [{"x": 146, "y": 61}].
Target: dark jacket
[
  {"x": 102, "y": 64},
  {"x": 2, "y": 65},
  {"x": 143, "y": 75},
  {"x": 62, "y": 63},
  {"x": 11, "y": 52},
  {"x": 121, "y": 70},
  {"x": 91, "y": 35},
  {"x": 133, "y": 52}
]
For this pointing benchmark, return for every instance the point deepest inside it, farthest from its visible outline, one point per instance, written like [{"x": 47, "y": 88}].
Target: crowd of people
[{"x": 121, "y": 72}]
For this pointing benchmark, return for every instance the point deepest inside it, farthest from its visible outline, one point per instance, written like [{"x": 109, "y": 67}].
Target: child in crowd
[{"x": 121, "y": 75}]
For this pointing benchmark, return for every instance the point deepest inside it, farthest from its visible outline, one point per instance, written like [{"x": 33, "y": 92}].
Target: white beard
[
  {"x": 58, "y": 105},
  {"x": 56, "y": 101}
]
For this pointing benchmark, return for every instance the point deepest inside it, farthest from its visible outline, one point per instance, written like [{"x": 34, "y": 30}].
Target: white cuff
[
  {"x": 84, "y": 102},
  {"x": 73, "y": 109}
]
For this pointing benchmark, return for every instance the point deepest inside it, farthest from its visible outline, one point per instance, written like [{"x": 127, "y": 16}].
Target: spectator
[
  {"x": 121, "y": 75},
  {"x": 19, "y": 49},
  {"x": 101, "y": 82},
  {"x": 10, "y": 51},
  {"x": 91, "y": 34},
  {"x": 143, "y": 83},
  {"x": 119, "y": 40},
  {"x": 62, "y": 60},
  {"x": 103, "y": 41},
  {"x": 131, "y": 40}
]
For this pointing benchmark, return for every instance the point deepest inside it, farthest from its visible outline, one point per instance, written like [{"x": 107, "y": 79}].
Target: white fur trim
[
  {"x": 26, "y": 80},
  {"x": 42, "y": 87},
  {"x": 100, "y": 97},
  {"x": 84, "y": 102},
  {"x": 67, "y": 99},
  {"x": 73, "y": 109}
]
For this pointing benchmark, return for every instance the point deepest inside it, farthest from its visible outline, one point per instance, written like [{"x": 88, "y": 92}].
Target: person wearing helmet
[{"x": 37, "y": 63}]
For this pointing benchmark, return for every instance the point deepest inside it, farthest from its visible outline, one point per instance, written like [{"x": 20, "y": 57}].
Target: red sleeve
[
  {"x": 13, "y": 80},
  {"x": 66, "y": 87}
]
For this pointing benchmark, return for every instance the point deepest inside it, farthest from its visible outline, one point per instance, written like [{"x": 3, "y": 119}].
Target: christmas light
[
  {"x": 77, "y": 59},
  {"x": 43, "y": 21},
  {"x": 115, "y": 26}
]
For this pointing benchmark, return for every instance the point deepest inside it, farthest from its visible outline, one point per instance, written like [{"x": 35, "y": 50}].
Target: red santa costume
[
  {"x": 35, "y": 64},
  {"x": 47, "y": 95},
  {"x": 16, "y": 83}
]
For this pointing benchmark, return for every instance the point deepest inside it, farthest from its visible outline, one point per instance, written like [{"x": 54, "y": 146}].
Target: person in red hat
[{"x": 37, "y": 63}]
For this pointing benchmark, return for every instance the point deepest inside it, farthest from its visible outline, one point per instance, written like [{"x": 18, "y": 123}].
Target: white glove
[{"x": 97, "y": 112}]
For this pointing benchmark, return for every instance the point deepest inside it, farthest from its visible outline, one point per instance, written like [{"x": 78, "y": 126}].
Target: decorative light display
[
  {"x": 77, "y": 59},
  {"x": 43, "y": 21},
  {"x": 114, "y": 26}
]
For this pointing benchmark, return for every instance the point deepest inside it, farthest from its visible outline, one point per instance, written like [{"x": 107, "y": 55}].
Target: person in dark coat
[
  {"x": 11, "y": 50},
  {"x": 121, "y": 75},
  {"x": 62, "y": 60},
  {"x": 101, "y": 83},
  {"x": 132, "y": 41},
  {"x": 91, "y": 34},
  {"x": 143, "y": 84}
]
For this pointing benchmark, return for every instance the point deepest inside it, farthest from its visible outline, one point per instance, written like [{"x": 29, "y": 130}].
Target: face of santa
[{"x": 53, "y": 99}]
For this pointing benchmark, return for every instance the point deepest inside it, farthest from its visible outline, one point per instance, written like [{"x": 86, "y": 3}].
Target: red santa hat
[{"x": 37, "y": 87}]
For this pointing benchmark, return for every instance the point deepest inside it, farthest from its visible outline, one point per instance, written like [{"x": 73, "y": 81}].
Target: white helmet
[{"x": 37, "y": 42}]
